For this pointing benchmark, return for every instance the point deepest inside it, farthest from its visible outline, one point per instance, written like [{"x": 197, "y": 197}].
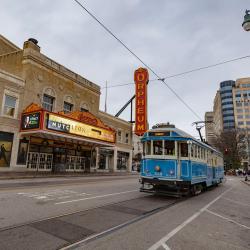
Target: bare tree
[{"x": 233, "y": 144}]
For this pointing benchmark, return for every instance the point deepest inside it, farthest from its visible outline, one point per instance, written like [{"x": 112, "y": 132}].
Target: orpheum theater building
[{"x": 50, "y": 118}]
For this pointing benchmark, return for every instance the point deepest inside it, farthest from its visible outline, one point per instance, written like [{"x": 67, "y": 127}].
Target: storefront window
[
  {"x": 157, "y": 147},
  {"x": 6, "y": 140},
  {"x": 122, "y": 160},
  {"x": 102, "y": 161},
  {"x": 9, "y": 105},
  {"x": 169, "y": 148},
  {"x": 105, "y": 159},
  {"x": 22, "y": 152},
  {"x": 48, "y": 102}
]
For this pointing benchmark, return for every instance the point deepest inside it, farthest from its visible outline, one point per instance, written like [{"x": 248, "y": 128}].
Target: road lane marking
[
  {"x": 165, "y": 246},
  {"x": 95, "y": 197},
  {"x": 186, "y": 222},
  {"x": 227, "y": 219},
  {"x": 56, "y": 194},
  {"x": 236, "y": 202}
]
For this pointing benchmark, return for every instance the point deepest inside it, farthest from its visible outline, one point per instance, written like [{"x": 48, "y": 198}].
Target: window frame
[
  {"x": 71, "y": 105},
  {"x": 162, "y": 148},
  {"x": 127, "y": 137},
  {"x": 14, "y": 95},
  {"x": 46, "y": 103},
  {"x": 119, "y": 138}
]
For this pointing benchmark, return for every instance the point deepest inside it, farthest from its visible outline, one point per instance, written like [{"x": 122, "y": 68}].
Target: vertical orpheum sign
[{"x": 141, "y": 81}]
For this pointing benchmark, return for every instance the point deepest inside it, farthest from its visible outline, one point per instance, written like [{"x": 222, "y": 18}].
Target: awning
[
  {"x": 76, "y": 126},
  {"x": 66, "y": 138}
]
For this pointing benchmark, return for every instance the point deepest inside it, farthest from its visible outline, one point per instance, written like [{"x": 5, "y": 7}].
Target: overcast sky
[{"x": 171, "y": 36}]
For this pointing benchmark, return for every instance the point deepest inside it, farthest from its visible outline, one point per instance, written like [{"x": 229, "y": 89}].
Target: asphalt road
[
  {"x": 110, "y": 213},
  {"x": 217, "y": 219}
]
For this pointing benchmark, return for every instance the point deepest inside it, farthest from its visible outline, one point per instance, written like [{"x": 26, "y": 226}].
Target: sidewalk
[
  {"x": 20, "y": 181},
  {"x": 246, "y": 182},
  {"x": 6, "y": 175}
]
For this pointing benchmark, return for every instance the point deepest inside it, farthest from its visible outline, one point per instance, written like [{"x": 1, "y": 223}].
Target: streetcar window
[
  {"x": 157, "y": 147},
  {"x": 148, "y": 147},
  {"x": 184, "y": 150},
  {"x": 195, "y": 151},
  {"x": 192, "y": 151},
  {"x": 169, "y": 148}
]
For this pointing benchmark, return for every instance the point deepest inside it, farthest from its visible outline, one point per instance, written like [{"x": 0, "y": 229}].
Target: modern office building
[
  {"x": 227, "y": 107},
  {"x": 209, "y": 128},
  {"x": 231, "y": 110},
  {"x": 241, "y": 100},
  {"x": 217, "y": 111}
]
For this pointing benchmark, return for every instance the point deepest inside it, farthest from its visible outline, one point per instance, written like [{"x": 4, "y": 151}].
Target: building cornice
[
  {"x": 32, "y": 55},
  {"x": 11, "y": 78},
  {"x": 104, "y": 114}
]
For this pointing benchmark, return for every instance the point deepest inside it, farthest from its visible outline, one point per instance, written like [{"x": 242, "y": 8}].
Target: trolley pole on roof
[{"x": 199, "y": 125}]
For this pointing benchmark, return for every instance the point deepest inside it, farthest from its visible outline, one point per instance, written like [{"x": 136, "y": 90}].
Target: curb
[
  {"x": 246, "y": 182},
  {"x": 18, "y": 175}
]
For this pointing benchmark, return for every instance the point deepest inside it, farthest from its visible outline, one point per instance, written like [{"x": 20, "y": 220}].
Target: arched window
[
  {"x": 68, "y": 104},
  {"x": 48, "y": 100},
  {"x": 84, "y": 107}
]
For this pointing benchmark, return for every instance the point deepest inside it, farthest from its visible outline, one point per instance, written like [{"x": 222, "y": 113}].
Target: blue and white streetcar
[{"x": 176, "y": 163}]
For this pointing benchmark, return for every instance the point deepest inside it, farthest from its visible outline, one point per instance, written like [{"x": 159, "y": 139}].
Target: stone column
[
  {"x": 130, "y": 161},
  {"x": 115, "y": 160},
  {"x": 14, "y": 151}
]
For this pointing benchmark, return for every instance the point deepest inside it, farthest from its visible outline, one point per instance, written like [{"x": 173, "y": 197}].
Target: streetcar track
[
  {"x": 66, "y": 214},
  {"x": 158, "y": 204},
  {"x": 118, "y": 227}
]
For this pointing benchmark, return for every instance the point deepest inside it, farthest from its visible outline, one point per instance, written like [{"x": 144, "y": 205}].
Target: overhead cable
[
  {"x": 147, "y": 66},
  {"x": 186, "y": 72}
]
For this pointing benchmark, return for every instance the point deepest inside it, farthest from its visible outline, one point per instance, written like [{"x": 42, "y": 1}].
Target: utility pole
[{"x": 106, "y": 93}]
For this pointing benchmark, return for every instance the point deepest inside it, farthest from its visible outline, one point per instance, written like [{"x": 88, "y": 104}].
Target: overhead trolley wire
[
  {"x": 186, "y": 72},
  {"x": 147, "y": 66}
]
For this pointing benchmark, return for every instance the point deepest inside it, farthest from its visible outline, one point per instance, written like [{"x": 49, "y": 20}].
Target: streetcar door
[
  {"x": 182, "y": 158},
  {"x": 178, "y": 151}
]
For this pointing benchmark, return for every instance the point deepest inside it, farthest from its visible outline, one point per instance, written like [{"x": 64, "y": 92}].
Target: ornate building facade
[{"x": 50, "y": 118}]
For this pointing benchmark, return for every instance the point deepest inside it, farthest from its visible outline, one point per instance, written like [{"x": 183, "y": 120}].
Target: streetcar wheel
[{"x": 196, "y": 189}]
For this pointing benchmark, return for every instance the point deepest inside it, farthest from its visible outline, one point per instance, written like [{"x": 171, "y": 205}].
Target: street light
[{"x": 246, "y": 22}]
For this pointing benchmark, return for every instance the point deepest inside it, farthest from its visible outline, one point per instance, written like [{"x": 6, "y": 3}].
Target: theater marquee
[
  {"x": 64, "y": 125},
  {"x": 141, "y": 81}
]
